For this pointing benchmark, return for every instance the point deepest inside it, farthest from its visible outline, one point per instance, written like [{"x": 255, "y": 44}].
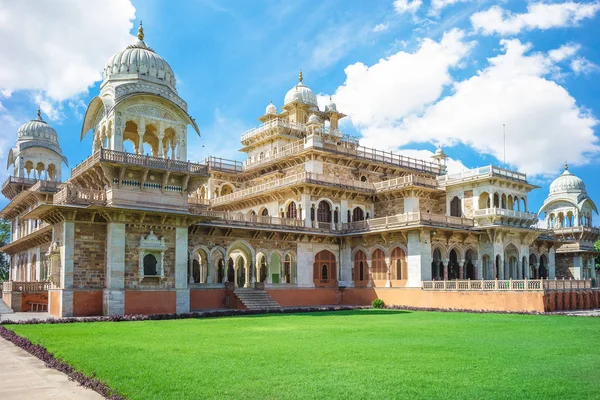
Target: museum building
[{"x": 310, "y": 217}]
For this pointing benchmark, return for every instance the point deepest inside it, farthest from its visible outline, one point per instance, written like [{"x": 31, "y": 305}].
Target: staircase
[
  {"x": 4, "y": 309},
  {"x": 256, "y": 299}
]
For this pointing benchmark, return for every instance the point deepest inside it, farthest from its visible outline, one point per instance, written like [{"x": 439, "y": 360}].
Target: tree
[
  {"x": 597, "y": 248},
  {"x": 4, "y": 239}
]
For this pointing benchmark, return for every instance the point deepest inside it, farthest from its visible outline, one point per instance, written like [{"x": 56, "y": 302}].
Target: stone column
[
  {"x": 419, "y": 258},
  {"x": 577, "y": 267},
  {"x": 114, "y": 294},
  {"x": 66, "y": 269},
  {"x": 247, "y": 267},
  {"x": 369, "y": 273},
  {"x": 551, "y": 263},
  {"x": 536, "y": 266},
  {"x": 388, "y": 282},
  {"x": 181, "y": 262},
  {"x": 477, "y": 270},
  {"x": 141, "y": 131},
  {"x": 461, "y": 269},
  {"x": 446, "y": 261},
  {"x": 345, "y": 266}
]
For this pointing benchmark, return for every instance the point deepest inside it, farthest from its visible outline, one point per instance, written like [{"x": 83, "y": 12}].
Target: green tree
[{"x": 4, "y": 239}]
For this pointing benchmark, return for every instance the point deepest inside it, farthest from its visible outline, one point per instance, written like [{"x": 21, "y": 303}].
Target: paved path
[
  {"x": 24, "y": 377},
  {"x": 4, "y": 308}
]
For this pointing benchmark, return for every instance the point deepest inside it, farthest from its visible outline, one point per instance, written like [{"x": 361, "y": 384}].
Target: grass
[{"x": 352, "y": 354}]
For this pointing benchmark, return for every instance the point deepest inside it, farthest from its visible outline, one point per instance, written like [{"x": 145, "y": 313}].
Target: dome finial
[
  {"x": 141, "y": 31},
  {"x": 39, "y": 113},
  {"x": 300, "y": 78},
  {"x": 566, "y": 166}
]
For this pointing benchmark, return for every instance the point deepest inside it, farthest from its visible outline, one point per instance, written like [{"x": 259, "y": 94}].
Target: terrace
[
  {"x": 507, "y": 285},
  {"x": 488, "y": 171}
]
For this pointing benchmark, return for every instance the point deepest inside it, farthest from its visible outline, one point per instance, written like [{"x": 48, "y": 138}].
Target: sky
[{"x": 411, "y": 75}]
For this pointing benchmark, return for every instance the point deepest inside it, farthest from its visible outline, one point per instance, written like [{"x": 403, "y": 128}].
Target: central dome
[
  {"x": 300, "y": 93},
  {"x": 37, "y": 129},
  {"x": 139, "y": 59},
  {"x": 567, "y": 182}
]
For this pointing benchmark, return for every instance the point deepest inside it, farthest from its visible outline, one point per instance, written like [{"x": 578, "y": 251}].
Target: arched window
[
  {"x": 363, "y": 178},
  {"x": 230, "y": 271},
  {"x": 455, "y": 207},
  {"x": 359, "y": 270},
  {"x": 196, "y": 271},
  {"x": 150, "y": 265},
  {"x": 265, "y": 212},
  {"x": 378, "y": 267},
  {"x": 358, "y": 214},
  {"x": 503, "y": 205},
  {"x": 324, "y": 212},
  {"x": 292, "y": 211},
  {"x": 397, "y": 260},
  {"x": 496, "y": 200},
  {"x": 453, "y": 270},
  {"x": 324, "y": 269},
  {"x": 287, "y": 269},
  {"x": 324, "y": 272},
  {"x": 312, "y": 213}
]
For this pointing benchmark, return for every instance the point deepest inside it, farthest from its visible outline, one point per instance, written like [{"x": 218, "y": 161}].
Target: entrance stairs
[
  {"x": 256, "y": 299},
  {"x": 4, "y": 309}
]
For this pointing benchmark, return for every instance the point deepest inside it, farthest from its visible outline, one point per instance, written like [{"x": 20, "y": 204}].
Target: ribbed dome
[
  {"x": 313, "y": 119},
  {"x": 567, "y": 182},
  {"x": 331, "y": 105},
  {"x": 141, "y": 60},
  {"x": 300, "y": 93},
  {"x": 37, "y": 129}
]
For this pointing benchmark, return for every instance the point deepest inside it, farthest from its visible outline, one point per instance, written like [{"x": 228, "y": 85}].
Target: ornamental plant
[{"x": 377, "y": 303}]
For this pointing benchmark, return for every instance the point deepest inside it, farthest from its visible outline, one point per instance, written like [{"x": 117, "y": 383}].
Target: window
[
  {"x": 378, "y": 267},
  {"x": 265, "y": 212},
  {"x": 292, "y": 212},
  {"x": 324, "y": 212},
  {"x": 358, "y": 214},
  {"x": 324, "y": 272},
  {"x": 455, "y": 207},
  {"x": 150, "y": 265}
]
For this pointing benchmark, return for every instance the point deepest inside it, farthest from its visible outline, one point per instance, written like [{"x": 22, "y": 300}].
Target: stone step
[{"x": 255, "y": 299}]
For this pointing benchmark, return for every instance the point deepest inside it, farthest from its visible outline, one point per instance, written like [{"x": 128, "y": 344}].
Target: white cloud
[
  {"x": 583, "y": 66},
  {"x": 407, "y": 6},
  {"x": 401, "y": 84},
  {"x": 438, "y": 5},
  {"x": 60, "y": 48},
  {"x": 381, "y": 27},
  {"x": 564, "y": 52},
  {"x": 543, "y": 122},
  {"x": 539, "y": 15}
]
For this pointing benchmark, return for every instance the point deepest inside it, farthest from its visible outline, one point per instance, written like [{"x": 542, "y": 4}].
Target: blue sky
[{"x": 409, "y": 74}]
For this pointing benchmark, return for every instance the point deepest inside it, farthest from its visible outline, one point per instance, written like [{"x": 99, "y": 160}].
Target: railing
[
  {"x": 13, "y": 286},
  {"x": 140, "y": 160},
  {"x": 488, "y": 170},
  {"x": 196, "y": 201},
  {"x": 274, "y": 123},
  {"x": 495, "y": 211},
  {"x": 45, "y": 186},
  {"x": 411, "y": 218},
  {"x": 408, "y": 180},
  {"x": 251, "y": 219},
  {"x": 18, "y": 180},
  {"x": 575, "y": 229},
  {"x": 225, "y": 165},
  {"x": 284, "y": 151},
  {"x": 71, "y": 194},
  {"x": 506, "y": 285},
  {"x": 303, "y": 177}
]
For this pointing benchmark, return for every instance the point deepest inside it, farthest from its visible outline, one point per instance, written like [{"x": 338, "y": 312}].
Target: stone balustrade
[
  {"x": 488, "y": 170},
  {"x": 14, "y": 286},
  {"x": 507, "y": 285},
  {"x": 406, "y": 219},
  {"x": 71, "y": 194}
]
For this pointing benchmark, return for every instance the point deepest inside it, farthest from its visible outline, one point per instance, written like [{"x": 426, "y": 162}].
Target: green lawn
[{"x": 350, "y": 354}]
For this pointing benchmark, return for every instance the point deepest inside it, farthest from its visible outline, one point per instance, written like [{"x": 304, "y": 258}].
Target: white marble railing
[
  {"x": 488, "y": 170},
  {"x": 274, "y": 123},
  {"x": 408, "y": 180},
  {"x": 411, "y": 218},
  {"x": 13, "y": 286},
  {"x": 501, "y": 212},
  {"x": 506, "y": 285}
]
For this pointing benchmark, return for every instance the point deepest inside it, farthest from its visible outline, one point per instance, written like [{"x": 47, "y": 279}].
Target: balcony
[
  {"x": 13, "y": 185},
  {"x": 482, "y": 172},
  {"x": 139, "y": 160},
  {"x": 71, "y": 194},
  {"x": 405, "y": 181},
  {"x": 407, "y": 219},
  {"x": 240, "y": 219},
  {"x": 303, "y": 177},
  {"x": 224, "y": 165},
  {"x": 274, "y": 124},
  {"x": 500, "y": 216},
  {"x": 506, "y": 285}
]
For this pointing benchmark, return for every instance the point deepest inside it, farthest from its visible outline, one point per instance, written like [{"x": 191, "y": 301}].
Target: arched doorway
[
  {"x": 437, "y": 268},
  {"x": 455, "y": 207},
  {"x": 532, "y": 270},
  {"x": 378, "y": 267},
  {"x": 220, "y": 270},
  {"x": 499, "y": 268},
  {"x": 241, "y": 272},
  {"x": 196, "y": 271},
  {"x": 288, "y": 270},
  {"x": 543, "y": 269},
  {"x": 324, "y": 269},
  {"x": 470, "y": 257},
  {"x": 263, "y": 269},
  {"x": 453, "y": 268},
  {"x": 511, "y": 257},
  {"x": 358, "y": 214},
  {"x": 230, "y": 271}
]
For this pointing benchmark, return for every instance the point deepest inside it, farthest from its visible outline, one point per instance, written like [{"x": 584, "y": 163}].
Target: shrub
[{"x": 377, "y": 303}]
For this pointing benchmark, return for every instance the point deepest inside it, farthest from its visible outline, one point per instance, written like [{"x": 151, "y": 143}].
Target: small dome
[
  {"x": 139, "y": 59},
  {"x": 331, "y": 105},
  {"x": 439, "y": 151},
  {"x": 37, "y": 129},
  {"x": 313, "y": 119},
  {"x": 301, "y": 94},
  {"x": 271, "y": 109},
  {"x": 567, "y": 182}
]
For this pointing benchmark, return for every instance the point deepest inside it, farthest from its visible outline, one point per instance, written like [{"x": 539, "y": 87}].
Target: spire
[
  {"x": 300, "y": 77},
  {"x": 566, "y": 166},
  {"x": 141, "y": 31},
  {"x": 39, "y": 113}
]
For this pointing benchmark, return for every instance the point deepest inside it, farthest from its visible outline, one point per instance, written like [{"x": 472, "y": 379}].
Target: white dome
[
  {"x": 139, "y": 59},
  {"x": 567, "y": 182},
  {"x": 313, "y": 119},
  {"x": 37, "y": 129},
  {"x": 301, "y": 94},
  {"x": 271, "y": 109}
]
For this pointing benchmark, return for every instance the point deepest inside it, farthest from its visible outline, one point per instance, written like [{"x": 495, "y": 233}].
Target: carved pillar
[
  {"x": 161, "y": 136},
  {"x": 537, "y": 270},
  {"x": 461, "y": 269},
  {"x": 369, "y": 274},
  {"x": 388, "y": 282},
  {"x": 446, "y": 261},
  {"x": 141, "y": 132}
]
